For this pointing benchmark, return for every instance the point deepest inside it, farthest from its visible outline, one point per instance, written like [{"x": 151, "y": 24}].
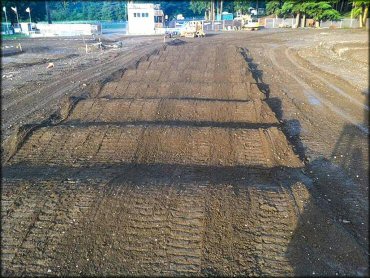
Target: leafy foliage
[
  {"x": 358, "y": 7},
  {"x": 66, "y": 10},
  {"x": 273, "y": 7},
  {"x": 321, "y": 11},
  {"x": 88, "y": 10},
  {"x": 199, "y": 7},
  {"x": 173, "y": 8},
  {"x": 242, "y": 6}
]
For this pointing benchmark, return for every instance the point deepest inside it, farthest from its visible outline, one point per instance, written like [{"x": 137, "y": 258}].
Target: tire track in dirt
[
  {"x": 49, "y": 214},
  {"x": 292, "y": 56},
  {"x": 310, "y": 92},
  {"x": 164, "y": 198},
  {"x": 59, "y": 87}
]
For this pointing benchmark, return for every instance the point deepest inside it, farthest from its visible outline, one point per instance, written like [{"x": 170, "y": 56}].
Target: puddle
[{"x": 314, "y": 101}]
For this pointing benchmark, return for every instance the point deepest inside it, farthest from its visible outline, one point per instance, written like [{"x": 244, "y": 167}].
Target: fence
[
  {"x": 290, "y": 22},
  {"x": 279, "y": 22},
  {"x": 343, "y": 23},
  {"x": 114, "y": 27},
  {"x": 106, "y": 26},
  {"x": 217, "y": 25}
]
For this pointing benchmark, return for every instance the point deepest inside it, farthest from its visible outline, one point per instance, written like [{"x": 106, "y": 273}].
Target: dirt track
[{"x": 194, "y": 161}]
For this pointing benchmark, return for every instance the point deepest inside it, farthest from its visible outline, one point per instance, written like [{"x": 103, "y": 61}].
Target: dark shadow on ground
[
  {"x": 291, "y": 128},
  {"x": 331, "y": 234}
]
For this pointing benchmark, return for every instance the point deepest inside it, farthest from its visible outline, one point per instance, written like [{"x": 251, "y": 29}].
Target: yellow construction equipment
[
  {"x": 193, "y": 29},
  {"x": 249, "y": 22}
]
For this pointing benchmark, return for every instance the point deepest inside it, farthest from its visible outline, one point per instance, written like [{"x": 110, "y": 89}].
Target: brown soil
[{"x": 228, "y": 155}]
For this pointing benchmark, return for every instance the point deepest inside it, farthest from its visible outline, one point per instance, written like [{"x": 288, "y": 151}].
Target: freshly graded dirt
[{"x": 226, "y": 155}]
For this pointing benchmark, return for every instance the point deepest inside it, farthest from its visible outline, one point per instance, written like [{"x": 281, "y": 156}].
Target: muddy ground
[{"x": 243, "y": 153}]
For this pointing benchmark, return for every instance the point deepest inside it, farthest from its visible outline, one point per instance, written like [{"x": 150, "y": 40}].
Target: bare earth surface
[{"x": 242, "y": 153}]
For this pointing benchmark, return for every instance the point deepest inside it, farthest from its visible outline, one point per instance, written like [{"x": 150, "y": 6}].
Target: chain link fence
[
  {"x": 343, "y": 23},
  {"x": 290, "y": 22},
  {"x": 279, "y": 22}
]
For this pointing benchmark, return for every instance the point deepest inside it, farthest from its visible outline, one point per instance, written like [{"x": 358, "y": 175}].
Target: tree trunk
[
  {"x": 211, "y": 16},
  {"x": 361, "y": 17},
  {"x": 297, "y": 20},
  {"x": 303, "y": 22},
  {"x": 221, "y": 7},
  {"x": 365, "y": 15},
  {"x": 214, "y": 10},
  {"x": 341, "y": 6},
  {"x": 47, "y": 8}
]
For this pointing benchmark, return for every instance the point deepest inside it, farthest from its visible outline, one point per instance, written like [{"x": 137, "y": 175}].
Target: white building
[{"x": 144, "y": 19}]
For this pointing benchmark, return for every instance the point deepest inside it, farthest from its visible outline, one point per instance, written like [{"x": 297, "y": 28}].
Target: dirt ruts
[{"x": 178, "y": 166}]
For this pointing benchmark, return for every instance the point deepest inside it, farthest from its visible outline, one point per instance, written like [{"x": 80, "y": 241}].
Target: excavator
[{"x": 193, "y": 29}]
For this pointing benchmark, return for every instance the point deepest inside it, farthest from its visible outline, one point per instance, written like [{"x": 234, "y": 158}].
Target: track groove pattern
[{"x": 168, "y": 170}]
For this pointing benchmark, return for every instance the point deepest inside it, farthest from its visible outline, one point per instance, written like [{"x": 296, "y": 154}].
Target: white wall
[
  {"x": 140, "y": 25},
  {"x": 60, "y": 29}
]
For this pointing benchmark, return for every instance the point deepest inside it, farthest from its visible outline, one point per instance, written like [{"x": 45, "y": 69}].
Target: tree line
[
  {"x": 69, "y": 10},
  {"x": 319, "y": 10},
  {"x": 301, "y": 9}
]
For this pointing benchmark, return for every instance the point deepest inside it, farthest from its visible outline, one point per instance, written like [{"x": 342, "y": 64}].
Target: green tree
[
  {"x": 242, "y": 6},
  {"x": 273, "y": 7},
  {"x": 293, "y": 8},
  {"x": 37, "y": 10},
  {"x": 322, "y": 11},
  {"x": 360, "y": 9},
  {"x": 198, "y": 7},
  {"x": 173, "y": 8},
  {"x": 107, "y": 11}
]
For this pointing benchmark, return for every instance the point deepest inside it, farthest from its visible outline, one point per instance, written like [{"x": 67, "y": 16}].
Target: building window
[
  {"x": 158, "y": 19},
  {"x": 141, "y": 14}
]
